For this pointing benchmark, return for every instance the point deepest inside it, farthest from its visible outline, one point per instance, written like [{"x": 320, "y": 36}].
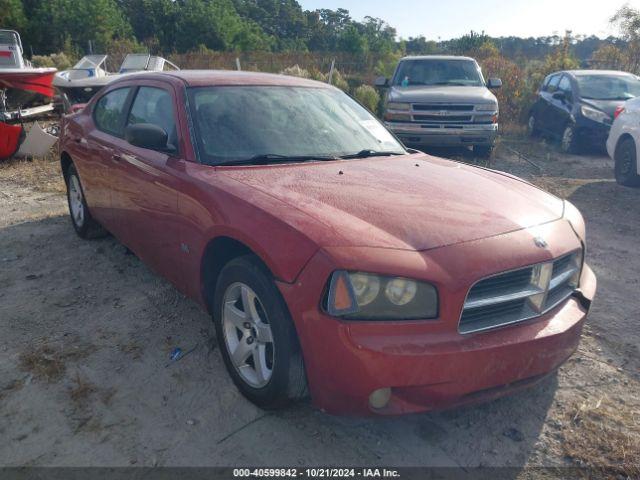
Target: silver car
[{"x": 441, "y": 101}]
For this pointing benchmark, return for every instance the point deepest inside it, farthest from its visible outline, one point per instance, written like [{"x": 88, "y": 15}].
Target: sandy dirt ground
[{"x": 87, "y": 331}]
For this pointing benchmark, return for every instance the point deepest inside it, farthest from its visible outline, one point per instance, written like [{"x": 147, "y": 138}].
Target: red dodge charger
[{"x": 335, "y": 263}]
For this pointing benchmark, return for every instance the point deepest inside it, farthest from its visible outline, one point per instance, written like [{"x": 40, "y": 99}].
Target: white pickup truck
[{"x": 440, "y": 100}]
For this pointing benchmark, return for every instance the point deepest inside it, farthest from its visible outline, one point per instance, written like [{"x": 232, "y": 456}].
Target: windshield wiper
[
  {"x": 266, "y": 158},
  {"x": 370, "y": 153}
]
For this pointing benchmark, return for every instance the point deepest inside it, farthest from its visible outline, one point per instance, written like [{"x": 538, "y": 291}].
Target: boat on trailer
[
  {"x": 80, "y": 83},
  {"x": 25, "y": 92}
]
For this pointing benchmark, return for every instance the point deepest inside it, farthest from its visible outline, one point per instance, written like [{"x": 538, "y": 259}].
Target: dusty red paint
[{"x": 415, "y": 216}]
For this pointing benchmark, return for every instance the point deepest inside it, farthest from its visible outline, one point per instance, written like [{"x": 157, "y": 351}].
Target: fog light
[{"x": 380, "y": 398}]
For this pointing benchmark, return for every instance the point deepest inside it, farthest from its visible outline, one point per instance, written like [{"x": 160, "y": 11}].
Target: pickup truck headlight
[
  {"x": 487, "y": 107},
  {"x": 367, "y": 296},
  {"x": 595, "y": 115},
  {"x": 399, "y": 106}
]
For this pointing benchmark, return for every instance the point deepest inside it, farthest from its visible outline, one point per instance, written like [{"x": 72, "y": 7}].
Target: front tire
[
  {"x": 83, "y": 223},
  {"x": 626, "y": 167},
  {"x": 256, "y": 335},
  {"x": 568, "y": 142},
  {"x": 532, "y": 126},
  {"x": 482, "y": 151}
]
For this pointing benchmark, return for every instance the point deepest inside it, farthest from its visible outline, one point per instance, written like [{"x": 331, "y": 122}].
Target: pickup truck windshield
[
  {"x": 438, "y": 72},
  {"x": 608, "y": 87},
  {"x": 237, "y": 124}
]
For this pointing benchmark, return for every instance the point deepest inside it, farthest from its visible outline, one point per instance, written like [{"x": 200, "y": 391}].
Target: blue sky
[{"x": 452, "y": 18}]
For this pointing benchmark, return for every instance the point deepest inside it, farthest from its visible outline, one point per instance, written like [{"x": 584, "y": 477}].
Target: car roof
[
  {"x": 580, "y": 73},
  {"x": 437, "y": 57},
  {"x": 210, "y": 78}
]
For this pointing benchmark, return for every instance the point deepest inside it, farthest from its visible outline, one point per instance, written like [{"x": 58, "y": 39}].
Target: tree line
[{"x": 180, "y": 26}]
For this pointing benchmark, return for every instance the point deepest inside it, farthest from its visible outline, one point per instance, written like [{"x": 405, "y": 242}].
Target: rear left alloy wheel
[
  {"x": 626, "y": 167},
  {"x": 83, "y": 223},
  {"x": 256, "y": 335}
]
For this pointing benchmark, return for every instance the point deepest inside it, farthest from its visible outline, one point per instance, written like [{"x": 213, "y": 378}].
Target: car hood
[
  {"x": 412, "y": 202},
  {"x": 441, "y": 94}
]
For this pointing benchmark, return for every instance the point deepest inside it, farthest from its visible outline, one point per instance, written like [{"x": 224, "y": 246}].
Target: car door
[
  {"x": 103, "y": 132},
  {"x": 546, "y": 111},
  {"x": 560, "y": 113},
  {"x": 145, "y": 186}
]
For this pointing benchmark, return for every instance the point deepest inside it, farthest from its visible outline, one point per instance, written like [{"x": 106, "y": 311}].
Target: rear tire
[
  {"x": 256, "y": 335},
  {"x": 626, "y": 164},
  {"x": 83, "y": 223}
]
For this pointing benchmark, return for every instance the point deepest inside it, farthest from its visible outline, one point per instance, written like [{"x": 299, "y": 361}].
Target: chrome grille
[
  {"x": 520, "y": 295},
  {"x": 440, "y": 118},
  {"x": 443, "y": 115},
  {"x": 424, "y": 107}
]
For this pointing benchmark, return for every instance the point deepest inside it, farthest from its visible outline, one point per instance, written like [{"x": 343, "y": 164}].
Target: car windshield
[
  {"x": 608, "y": 87},
  {"x": 438, "y": 72},
  {"x": 235, "y": 124}
]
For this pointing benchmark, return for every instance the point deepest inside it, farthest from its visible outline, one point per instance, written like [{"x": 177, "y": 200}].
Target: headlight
[
  {"x": 487, "y": 107},
  {"x": 577, "y": 260},
  {"x": 367, "y": 296},
  {"x": 399, "y": 106},
  {"x": 397, "y": 117},
  {"x": 595, "y": 115}
]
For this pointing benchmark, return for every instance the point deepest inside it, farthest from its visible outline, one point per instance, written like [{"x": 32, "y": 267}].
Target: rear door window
[
  {"x": 155, "y": 106},
  {"x": 109, "y": 111}
]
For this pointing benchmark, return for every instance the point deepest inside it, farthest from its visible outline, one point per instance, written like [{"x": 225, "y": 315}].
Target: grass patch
[
  {"x": 603, "y": 435},
  {"x": 49, "y": 364},
  {"x": 40, "y": 174},
  {"x": 81, "y": 391}
]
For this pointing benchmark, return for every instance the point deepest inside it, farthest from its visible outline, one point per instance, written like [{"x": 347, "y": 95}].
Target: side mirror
[
  {"x": 494, "y": 83},
  {"x": 381, "y": 82},
  {"x": 559, "y": 95},
  {"x": 147, "y": 135}
]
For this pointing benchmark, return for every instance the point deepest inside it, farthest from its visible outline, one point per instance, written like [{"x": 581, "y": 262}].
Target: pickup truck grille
[
  {"x": 442, "y": 118},
  {"x": 422, "y": 107},
  {"x": 442, "y": 114},
  {"x": 520, "y": 295}
]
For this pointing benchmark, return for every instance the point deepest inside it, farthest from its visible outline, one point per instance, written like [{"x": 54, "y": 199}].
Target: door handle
[{"x": 116, "y": 157}]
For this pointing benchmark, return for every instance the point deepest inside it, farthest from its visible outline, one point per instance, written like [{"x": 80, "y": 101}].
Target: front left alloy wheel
[
  {"x": 568, "y": 143},
  {"x": 256, "y": 335},
  {"x": 626, "y": 164}
]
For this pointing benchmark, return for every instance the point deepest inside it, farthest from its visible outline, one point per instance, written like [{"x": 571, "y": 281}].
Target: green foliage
[
  {"x": 54, "y": 22},
  {"x": 513, "y": 97},
  {"x": 368, "y": 96},
  {"x": 12, "y": 14},
  {"x": 296, "y": 71},
  {"x": 421, "y": 46},
  {"x": 469, "y": 43},
  {"x": 339, "y": 81},
  {"x": 58, "y": 60}
]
